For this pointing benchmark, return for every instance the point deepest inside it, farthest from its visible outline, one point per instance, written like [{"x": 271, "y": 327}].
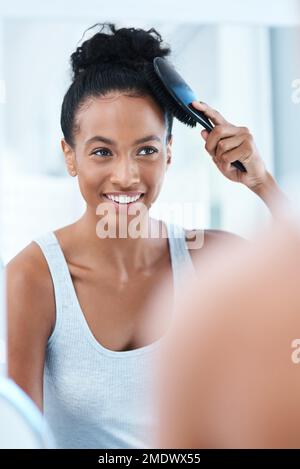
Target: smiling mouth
[{"x": 123, "y": 199}]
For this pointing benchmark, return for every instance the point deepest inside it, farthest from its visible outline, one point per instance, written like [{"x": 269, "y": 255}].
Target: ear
[
  {"x": 169, "y": 151},
  {"x": 70, "y": 159}
]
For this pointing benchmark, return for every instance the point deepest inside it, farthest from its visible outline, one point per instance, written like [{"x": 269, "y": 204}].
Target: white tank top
[{"x": 95, "y": 397}]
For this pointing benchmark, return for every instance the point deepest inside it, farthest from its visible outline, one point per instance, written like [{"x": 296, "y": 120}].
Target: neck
[{"x": 122, "y": 254}]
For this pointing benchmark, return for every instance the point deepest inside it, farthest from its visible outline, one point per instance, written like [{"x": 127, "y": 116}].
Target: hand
[{"x": 227, "y": 143}]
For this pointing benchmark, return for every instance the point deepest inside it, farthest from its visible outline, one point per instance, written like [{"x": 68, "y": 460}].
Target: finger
[
  {"x": 219, "y": 132},
  {"x": 204, "y": 134},
  {"x": 229, "y": 143},
  {"x": 211, "y": 113},
  {"x": 227, "y": 169},
  {"x": 223, "y": 165},
  {"x": 240, "y": 153}
]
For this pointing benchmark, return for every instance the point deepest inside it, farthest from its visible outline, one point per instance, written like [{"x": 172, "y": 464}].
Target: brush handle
[{"x": 205, "y": 122}]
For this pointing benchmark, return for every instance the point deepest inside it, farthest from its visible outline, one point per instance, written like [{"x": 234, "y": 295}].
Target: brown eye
[
  {"x": 96, "y": 152},
  {"x": 154, "y": 150}
]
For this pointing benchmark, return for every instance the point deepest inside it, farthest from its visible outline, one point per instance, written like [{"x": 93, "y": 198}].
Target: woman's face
[{"x": 107, "y": 156}]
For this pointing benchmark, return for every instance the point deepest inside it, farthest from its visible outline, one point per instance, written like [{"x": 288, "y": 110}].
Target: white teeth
[{"x": 123, "y": 199}]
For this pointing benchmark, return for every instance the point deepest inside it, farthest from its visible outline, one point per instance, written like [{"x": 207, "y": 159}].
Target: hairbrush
[{"x": 176, "y": 95}]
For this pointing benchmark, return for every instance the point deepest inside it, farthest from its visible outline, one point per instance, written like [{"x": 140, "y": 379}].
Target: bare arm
[{"x": 31, "y": 315}]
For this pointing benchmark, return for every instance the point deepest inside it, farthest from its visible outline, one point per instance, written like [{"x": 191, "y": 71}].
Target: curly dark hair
[{"x": 110, "y": 61}]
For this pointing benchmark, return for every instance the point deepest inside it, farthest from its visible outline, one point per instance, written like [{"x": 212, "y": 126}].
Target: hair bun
[{"x": 129, "y": 47}]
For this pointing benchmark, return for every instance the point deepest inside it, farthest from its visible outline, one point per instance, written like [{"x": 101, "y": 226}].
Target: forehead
[{"x": 119, "y": 116}]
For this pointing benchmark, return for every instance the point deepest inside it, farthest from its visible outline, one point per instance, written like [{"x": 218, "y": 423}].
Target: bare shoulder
[
  {"x": 28, "y": 273},
  {"x": 202, "y": 240},
  {"x": 30, "y": 288},
  {"x": 212, "y": 236}
]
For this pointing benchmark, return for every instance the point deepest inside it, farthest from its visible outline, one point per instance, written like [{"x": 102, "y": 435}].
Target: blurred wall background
[{"x": 241, "y": 57}]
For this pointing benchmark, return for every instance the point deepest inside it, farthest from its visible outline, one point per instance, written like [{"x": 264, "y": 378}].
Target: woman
[{"x": 76, "y": 321}]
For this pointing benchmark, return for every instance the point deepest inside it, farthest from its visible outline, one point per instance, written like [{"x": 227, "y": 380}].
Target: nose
[{"x": 125, "y": 173}]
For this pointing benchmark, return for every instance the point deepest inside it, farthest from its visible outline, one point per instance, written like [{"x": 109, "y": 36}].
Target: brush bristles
[{"x": 167, "y": 99}]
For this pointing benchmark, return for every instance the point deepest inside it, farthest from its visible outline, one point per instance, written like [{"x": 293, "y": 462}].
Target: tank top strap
[
  {"x": 182, "y": 263},
  {"x": 58, "y": 269}
]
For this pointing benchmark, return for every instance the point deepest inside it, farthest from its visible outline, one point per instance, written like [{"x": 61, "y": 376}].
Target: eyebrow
[{"x": 108, "y": 141}]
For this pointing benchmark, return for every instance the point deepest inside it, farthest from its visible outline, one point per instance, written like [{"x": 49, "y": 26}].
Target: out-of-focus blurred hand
[{"x": 227, "y": 375}]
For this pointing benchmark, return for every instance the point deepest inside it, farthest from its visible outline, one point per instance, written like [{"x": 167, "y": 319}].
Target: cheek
[
  {"x": 90, "y": 180},
  {"x": 157, "y": 177}
]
